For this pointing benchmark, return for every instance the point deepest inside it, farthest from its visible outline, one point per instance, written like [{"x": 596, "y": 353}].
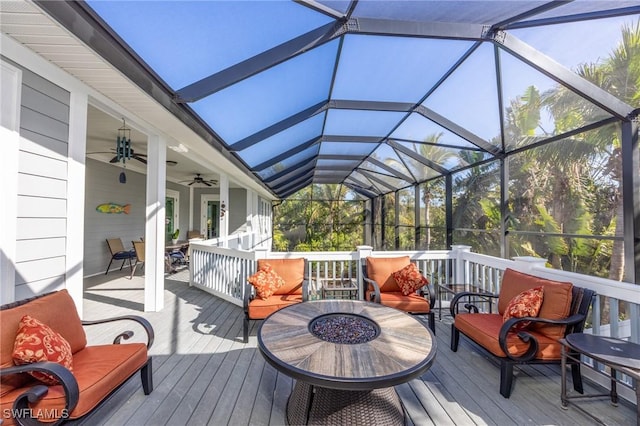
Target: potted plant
[{"x": 174, "y": 236}]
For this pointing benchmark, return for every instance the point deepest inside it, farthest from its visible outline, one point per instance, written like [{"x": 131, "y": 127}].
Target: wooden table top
[{"x": 404, "y": 349}]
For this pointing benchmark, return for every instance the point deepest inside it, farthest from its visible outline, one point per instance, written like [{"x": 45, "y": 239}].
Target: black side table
[{"x": 619, "y": 355}]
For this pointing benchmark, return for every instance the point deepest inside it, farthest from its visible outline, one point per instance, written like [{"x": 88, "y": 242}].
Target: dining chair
[
  {"x": 138, "y": 247},
  {"x": 119, "y": 253}
]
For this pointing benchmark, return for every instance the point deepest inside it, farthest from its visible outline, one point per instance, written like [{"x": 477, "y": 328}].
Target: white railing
[{"x": 223, "y": 272}]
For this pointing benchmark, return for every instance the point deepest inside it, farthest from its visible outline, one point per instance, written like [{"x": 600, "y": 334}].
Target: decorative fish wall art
[{"x": 111, "y": 208}]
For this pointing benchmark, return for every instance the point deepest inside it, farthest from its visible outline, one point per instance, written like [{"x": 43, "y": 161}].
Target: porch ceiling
[{"x": 370, "y": 94}]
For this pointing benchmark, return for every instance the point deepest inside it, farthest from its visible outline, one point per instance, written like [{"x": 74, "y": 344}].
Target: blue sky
[{"x": 188, "y": 40}]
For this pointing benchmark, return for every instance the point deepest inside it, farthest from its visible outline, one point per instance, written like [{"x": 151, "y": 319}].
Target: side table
[
  {"x": 619, "y": 355},
  {"x": 338, "y": 288}
]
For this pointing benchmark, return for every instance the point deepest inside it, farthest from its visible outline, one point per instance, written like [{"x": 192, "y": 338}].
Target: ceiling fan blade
[
  {"x": 140, "y": 159},
  {"x": 206, "y": 183},
  {"x": 192, "y": 183},
  {"x": 114, "y": 159}
]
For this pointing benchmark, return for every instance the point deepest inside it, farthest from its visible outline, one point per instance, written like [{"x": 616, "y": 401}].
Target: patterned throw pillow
[
  {"x": 266, "y": 281},
  {"x": 37, "y": 342},
  {"x": 525, "y": 304},
  {"x": 410, "y": 279}
]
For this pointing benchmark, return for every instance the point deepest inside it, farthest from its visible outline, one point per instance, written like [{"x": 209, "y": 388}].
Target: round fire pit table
[{"x": 346, "y": 356}]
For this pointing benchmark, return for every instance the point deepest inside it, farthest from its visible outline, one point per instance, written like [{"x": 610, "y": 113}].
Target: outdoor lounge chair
[
  {"x": 382, "y": 287},
  {"x": 294, "y": 290},
  {"x": 527, "y": 339},
  {"x": 119, "y": 253}
]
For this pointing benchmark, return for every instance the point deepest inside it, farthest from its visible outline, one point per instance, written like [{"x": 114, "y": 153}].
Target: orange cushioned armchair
[
  {"x": 293, "y": 289},
  {"x": 381, "y": 276},
  {"x": 96, "y": 370},
  {"x": 523, "y": 339}
]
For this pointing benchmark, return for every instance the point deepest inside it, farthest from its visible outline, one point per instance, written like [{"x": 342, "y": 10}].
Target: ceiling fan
[
  {"x": 140, "y": 157},
  {"x": 199, "y": 179}
]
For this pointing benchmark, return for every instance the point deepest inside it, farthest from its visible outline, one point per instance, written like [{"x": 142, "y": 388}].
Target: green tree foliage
[{"x": 319, "y": 218}]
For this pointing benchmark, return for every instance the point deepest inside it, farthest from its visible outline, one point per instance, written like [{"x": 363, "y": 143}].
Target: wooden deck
[{"x": 205, "y": 375}]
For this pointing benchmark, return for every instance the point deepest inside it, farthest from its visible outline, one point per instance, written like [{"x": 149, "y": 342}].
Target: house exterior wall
[{"x": 42, "y": 190}]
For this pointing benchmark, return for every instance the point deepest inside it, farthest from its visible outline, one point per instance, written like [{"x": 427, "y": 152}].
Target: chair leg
[
  {"x": 110, "y": 262},
  {"x": 147, "y": 377},
  {"x": 577, "y": 378},
  {"x": 455, "y": 338},
  {"x": 133, "y": 270},
  {"x": 245, "y": 330},
  {"x": 432, "y": 321},
  {"x": 506, "y": 378}
]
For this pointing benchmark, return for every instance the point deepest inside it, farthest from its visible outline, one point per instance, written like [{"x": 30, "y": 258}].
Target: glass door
[
  {"x": 171, "y": 208},
  {"x": 210, "y": 215}
]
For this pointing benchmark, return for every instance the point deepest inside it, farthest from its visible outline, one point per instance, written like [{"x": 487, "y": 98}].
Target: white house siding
[{"x": 41, "y": 220}]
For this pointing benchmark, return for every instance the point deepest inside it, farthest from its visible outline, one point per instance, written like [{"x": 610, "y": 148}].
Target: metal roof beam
[
  {"x": 301, "y": 167},
  {"x": 458, "y": 130},
  {"x": 371, "y": 105},
  {"x": 360, "y": 191},
  {"x": 371, "y": 176},
  {"x": 390, "y": 169},
  {"x": 531, "y": 12},
  {"x": 294, "y": 181},
  {"x": 578, "y": 17},
  {"x": 340, "y": 157},
  {"x": 356, "y": 139},
  {"x": 278, "y": 127},
  {"x": 260, "y": 62},
  {"x": 286, "y": 154},
  {"x": 298, "y": 188},
  {"x": 419, "y": 158},
  {"x": 562, "y": 75},
  {"x": 361, "y": 184},
  {"x": 449, "y": 30},
  {"x": 321, "y": 8}
]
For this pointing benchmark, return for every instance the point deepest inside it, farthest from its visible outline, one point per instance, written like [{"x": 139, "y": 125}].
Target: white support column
[
  {"x": 154, "y": 229},
  {"x": 190, "y": 209},
  {"x": 10, "y": 85},
  {"x": 75, "y": 196},
  {"x": 362, "y": 252},
  {"x": 224, "y": 199}
]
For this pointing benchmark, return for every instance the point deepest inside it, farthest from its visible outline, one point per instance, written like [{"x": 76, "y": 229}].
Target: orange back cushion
[
  {"x": 555, "y": 305},
  {"x": 291, "y": 270},
  {"x": 381, "y": 269},
  {"x": 57, "y": 310}
]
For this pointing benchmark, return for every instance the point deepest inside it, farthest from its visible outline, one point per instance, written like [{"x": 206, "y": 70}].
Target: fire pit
[{"x": 342, "y": 328}]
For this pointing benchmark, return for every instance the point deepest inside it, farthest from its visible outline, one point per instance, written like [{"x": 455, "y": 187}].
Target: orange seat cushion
[
  {"x": 98, "y": 369},
  {"x": 556, "y": 304},
  {"x": 381, "y": 269},
  {"x": 413, "y": 303},
  {"x": 291, "y": 271},
  {"x": 260, "y": 308},
  {"x": 484, "y": 329}
]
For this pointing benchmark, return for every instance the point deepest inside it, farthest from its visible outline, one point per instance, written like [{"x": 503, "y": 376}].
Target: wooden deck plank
[
  {"x": 205, "y": 375},
  {"x": 412, "y": 406}
]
